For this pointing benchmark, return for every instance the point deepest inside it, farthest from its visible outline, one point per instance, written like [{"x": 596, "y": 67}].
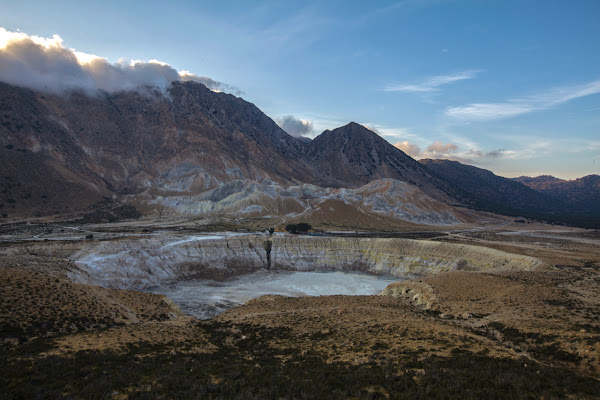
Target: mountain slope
[
  {"x": 490, "y": 192},
  {"x": 352, "y": 155},
  {"x": 488, "y": 189},
  {"x": 77, "y": 149},
  {"x": 72, "y": 152},
  {"x": 377, "y": 204},
  {"x": 582, "y": 194}
]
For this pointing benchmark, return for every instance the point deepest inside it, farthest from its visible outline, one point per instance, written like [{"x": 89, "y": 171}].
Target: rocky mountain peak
[
  {"x": 353, "y": 155},
  {"x": 63, "y": 153},
  {"x": 351, "y": 130}
]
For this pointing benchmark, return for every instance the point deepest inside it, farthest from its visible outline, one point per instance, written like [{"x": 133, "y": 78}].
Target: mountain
[
  {"x": 582, "y": 194},
  {"x": 489, "y": 190},
  {"x": 538, "y": 180},
  {"x": 547, "y": 198},
  {"x": 77, "y": 149},
  {"x": 352, "y": 156},
  {"x": 192, "y": 150}
]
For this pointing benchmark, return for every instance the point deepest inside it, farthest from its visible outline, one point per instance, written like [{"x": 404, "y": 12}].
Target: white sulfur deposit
[
  {"x": 205, "y": 299},
  {"x": 143, "y": 263}
]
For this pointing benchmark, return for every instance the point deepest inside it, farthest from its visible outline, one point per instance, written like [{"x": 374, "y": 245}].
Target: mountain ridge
[
  {"x": 160, "y": 151},
  {"x": 583, "y": 194},
  {"x": 147, "y": 147},
  {"x": 356, "y": 155},
  {"x": 561, "y": 203}
]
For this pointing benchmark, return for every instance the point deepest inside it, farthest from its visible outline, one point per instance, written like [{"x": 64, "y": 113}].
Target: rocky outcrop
[
  {"x": 396, "y": 257},
  {"x": 387, "y": 198},
  {"x": 418, "y": 294},
  {"x": 142, "y": 263}
]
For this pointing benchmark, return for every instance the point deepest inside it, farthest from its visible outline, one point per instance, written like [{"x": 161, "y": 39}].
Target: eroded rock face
[
  {"x": 387, "y": 198},
  {"x": 396, "y": 257},
  {"x": 142, "y": 263}
]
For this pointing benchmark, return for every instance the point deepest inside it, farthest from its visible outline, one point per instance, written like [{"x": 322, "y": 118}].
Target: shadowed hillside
[{"x": 574, "y": 203}]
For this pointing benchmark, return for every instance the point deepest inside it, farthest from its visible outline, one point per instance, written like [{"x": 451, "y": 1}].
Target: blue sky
[{"x": 510, "y": 86}]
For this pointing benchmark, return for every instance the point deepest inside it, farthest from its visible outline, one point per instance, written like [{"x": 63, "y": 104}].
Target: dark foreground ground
[{"x": 508, "y": 334}]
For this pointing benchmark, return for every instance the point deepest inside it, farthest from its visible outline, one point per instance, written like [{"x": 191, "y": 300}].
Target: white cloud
[
  {"x": 432, "y": 84},
  {"x": 409, "y": 148},
  {"x": 438, "y": 147},
  {"x": 294, "y": 126},
  {"x": 439, "y": 150},
  {"x": 8, "y": 36},
  {"x": 519, "y": 106},
  {"x": 488, "y": 111},
  {"x": 44, "y": 64}
]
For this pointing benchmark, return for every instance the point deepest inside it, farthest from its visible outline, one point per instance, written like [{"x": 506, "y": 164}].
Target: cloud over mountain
[
  {"x": 438, "y": 148},
  {"x": 450, "y": 151},
  {"x": 45, "y": 64},
  {"x": 409, "y": 148},
  {"x": 294, "y": 126}
]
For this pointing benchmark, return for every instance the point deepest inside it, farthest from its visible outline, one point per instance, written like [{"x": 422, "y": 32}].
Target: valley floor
[{"x": 457, "y": 334}]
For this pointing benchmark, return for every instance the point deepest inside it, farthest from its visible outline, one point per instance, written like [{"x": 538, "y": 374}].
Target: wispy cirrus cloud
[
  {"x": 388, "y": 132},
  {"x": 519, "y": 106},
  {"x": 432, "y": 84}
]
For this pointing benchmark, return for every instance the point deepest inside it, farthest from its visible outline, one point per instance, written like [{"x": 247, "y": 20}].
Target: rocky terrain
[
  {"x": 509, "y": 311},
  {"x": 583, "y": 193},
  {"x": 141, "y": 263},
  {"x": 191, "y": 151},
  {"x": 103, "y": 196},
  {"x": 190, "y": 139},
  {"x": 384, "y": 200},
  {"x": 545, "y": 198}
]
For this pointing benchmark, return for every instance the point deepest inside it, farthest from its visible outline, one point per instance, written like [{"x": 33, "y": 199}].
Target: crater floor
[{"x": 205, "y": 299}]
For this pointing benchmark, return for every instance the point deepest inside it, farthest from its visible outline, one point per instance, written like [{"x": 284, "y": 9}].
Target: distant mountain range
[
  {"x": 545, "y": 198},
  {"x": 582, "y": 194},
  {"x": 192, "y": 151}
]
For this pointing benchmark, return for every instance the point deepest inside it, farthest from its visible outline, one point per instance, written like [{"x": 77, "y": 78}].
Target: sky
[{"x": 509, "y": 86}]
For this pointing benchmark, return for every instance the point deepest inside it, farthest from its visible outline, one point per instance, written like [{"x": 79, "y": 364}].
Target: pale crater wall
[
  {"x": 141, "y": 263},
  {"x": 397, "y": 257}
]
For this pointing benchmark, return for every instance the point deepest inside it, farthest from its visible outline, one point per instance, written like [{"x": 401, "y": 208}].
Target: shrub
[{"x": 302, "y": 227}]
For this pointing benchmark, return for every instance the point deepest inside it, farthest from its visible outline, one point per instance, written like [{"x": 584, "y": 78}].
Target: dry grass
[
  {"x": 511, "y": 334},
  {"x": 34, "y": 304}
]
